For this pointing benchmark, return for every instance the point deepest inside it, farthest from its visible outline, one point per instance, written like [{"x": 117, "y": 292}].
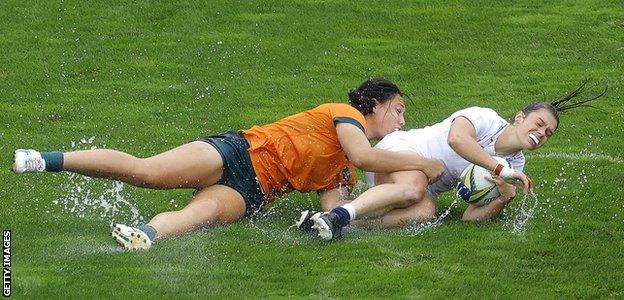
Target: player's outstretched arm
[
  {"x": 365, "y": 157},
  {"x": 463, "y": 140}
]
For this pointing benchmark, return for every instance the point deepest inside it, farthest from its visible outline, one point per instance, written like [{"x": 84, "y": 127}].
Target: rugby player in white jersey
[{"x": 471, "y": 135}]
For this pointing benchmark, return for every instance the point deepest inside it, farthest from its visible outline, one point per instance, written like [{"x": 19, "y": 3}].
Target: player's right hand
[
  {"x": 514, "y": 177},
  {"x": 522, "y": 181}
]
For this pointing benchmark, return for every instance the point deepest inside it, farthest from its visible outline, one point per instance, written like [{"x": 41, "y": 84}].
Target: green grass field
[{"x": 144, "y": 77}]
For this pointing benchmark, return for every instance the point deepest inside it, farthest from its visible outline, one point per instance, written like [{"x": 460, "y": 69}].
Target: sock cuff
[
  {"x": 343, "y": 215},
  {"x": 53, "y": 161},
  {"x": 149, "y": 230},
  {"x": 351, "y": 209}
]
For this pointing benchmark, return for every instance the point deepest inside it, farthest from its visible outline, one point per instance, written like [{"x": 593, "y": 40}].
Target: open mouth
[{"x": 534, "y": 139}]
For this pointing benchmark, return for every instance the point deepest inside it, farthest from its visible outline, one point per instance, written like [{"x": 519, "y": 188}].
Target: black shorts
[{"x": 238, "y": 172}]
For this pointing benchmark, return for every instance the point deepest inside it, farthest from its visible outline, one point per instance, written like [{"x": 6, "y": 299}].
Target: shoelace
[{"x": 34, "y": 164}]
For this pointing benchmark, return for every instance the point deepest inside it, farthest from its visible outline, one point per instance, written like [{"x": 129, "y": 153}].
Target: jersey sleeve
[
  {"x": 345, "y": 113},
  {"x": 518, "y": 161},
  {"x": 484, "y": 120}
]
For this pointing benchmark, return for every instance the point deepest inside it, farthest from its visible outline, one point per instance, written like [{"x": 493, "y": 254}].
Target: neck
[
  {"x": 369, "y": 127},
  {"x": 507, "y": 142}
]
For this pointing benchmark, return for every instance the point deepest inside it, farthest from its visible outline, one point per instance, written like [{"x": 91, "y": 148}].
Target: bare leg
[
  {"x": 383, "y": 198},
  {"x": 193, "y": 165},
  {"x": 333, "y": 198},
  {"x": 421, "y": 211},
  {"x": 217, "y": 204},
  {"x": 400, "y": 199},
  {"x": 397, "y": 190}
]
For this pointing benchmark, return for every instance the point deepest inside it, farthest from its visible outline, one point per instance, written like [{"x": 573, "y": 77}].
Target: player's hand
[
  {"x": 526, "y": 183},
  {"x": 433, "y": 169},
  {"x": 522, "y": 181},
  {"x": 507, "y": 191},
  {"x": 514, "y": 177}
]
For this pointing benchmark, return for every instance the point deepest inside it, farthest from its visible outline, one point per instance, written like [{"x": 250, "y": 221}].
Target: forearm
[
  {"x": 382, "y": 161},
  {"x": 470, "y": 150},
  {"x": 462, "y": 138},
  {"x": 483, "y": 213}
]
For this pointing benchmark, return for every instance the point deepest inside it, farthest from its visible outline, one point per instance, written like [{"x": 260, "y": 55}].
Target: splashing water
[
  {"x": 261, "y": 222},
  {"x": 85, "y": 196},
  {"x": 520, "y": 218},
  {"x": 419, "y": 228}
]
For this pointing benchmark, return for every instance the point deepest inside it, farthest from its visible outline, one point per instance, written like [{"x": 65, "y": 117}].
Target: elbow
[
  {"x": 453, "y": 140},
  {"x": 471, "y": 216},
  {"x": 467, "y": 218},
  {"x": 360, "y": 160},
  {"x": 360, "y": 163}
]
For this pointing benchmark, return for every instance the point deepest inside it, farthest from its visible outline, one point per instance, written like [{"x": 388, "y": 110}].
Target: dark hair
[
  {"x": 372, "y": 92},
  {"x": 563, "y": 104}
]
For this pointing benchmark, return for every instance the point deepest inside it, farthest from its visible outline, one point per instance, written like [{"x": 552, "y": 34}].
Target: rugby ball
[{"x": 474, "y": 188}]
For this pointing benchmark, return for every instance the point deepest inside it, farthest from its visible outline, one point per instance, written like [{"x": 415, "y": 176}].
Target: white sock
[{"x": 349, "y": 207}]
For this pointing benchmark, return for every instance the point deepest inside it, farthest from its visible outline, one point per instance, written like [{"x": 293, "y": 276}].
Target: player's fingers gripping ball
[{"x": 474, "y": 186}]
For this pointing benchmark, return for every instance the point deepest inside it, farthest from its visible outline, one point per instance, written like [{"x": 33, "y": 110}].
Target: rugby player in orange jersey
[{"x": 236, "y": 173}]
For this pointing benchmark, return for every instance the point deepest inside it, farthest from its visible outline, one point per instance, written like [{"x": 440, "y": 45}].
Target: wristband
[
  {"x": 504, "y": 172},
  {"x": 498, "y": 169}
]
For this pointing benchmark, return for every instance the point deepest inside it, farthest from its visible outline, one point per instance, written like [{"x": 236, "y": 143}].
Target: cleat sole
[
  {"x": 323, "y": 229},
  {"x": 133, "y": 241}
]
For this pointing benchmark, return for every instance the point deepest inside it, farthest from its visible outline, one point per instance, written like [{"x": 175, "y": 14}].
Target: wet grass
[{"x": 144, "y": 77}]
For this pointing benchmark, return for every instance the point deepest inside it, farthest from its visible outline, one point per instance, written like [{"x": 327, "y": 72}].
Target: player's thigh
[
  {"x": 218, "y": 203},
  {"x": 194, "y": 165},
  {"x": 415, "y": 181},
  {"x": 414, "y": 178}
]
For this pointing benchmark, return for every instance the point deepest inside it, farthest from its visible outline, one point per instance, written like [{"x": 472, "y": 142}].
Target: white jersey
[{"x": 431, "y": 142}]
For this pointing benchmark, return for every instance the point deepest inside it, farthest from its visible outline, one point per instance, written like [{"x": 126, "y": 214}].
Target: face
[
  {"x": 388, "y": 116},
  {"x": 535, "y": 129}
]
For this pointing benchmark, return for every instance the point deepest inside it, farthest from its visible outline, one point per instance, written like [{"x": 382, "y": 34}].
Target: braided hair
[{"x": 565, "y": 103}]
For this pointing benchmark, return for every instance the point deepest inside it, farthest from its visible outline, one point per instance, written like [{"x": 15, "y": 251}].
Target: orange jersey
[{"x": 302, "y": 152}]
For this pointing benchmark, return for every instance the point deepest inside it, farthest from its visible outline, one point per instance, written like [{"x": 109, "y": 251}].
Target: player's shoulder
[
  {"x": 478, "y": 114},
  {"x": 339, "y": 110}
]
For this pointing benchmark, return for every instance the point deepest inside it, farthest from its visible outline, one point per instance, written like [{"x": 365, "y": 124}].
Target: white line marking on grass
[{"x": 578, "y": 156}]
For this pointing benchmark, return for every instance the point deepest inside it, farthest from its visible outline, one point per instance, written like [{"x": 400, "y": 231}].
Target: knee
[
  {"x": 412, "y": 194},
  {"x": 428, "y": 210}
]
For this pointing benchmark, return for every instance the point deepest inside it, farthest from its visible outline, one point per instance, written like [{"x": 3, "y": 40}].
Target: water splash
[
  {"x": 420, "y": 228},
  {"x": 88, "y": 197},
  {"x": 520, "y": 218},
  {"x": 264, "y": 222}
]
